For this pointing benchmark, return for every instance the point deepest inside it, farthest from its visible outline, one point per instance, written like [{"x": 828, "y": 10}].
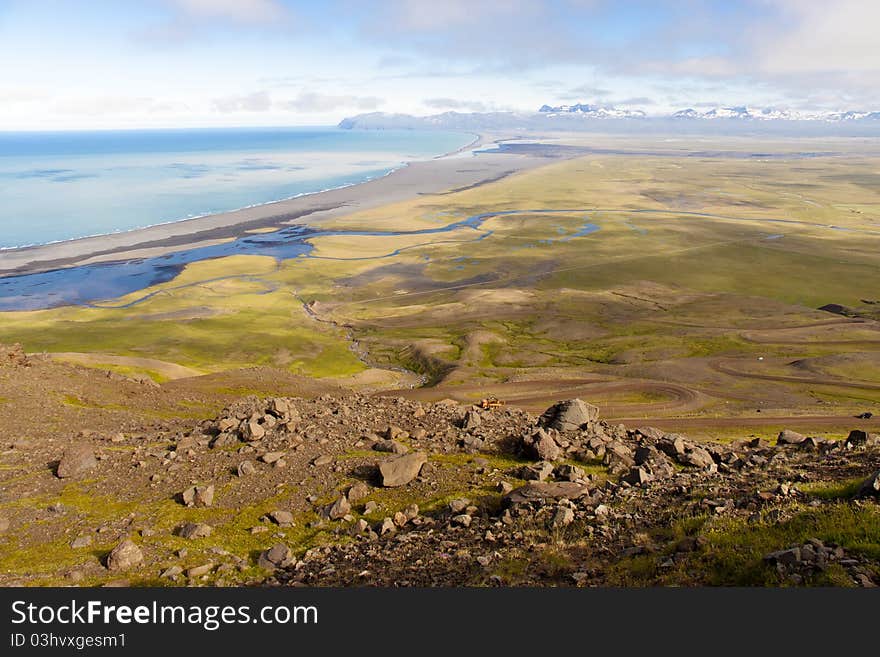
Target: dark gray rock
[
  {"x": 277, "y": 556},
  {"x": 789, "y": 437},
  {"x": 194, "y": 530},
  {"x": 870, "y": 487},
  {"x": 542, "y": 491},
  {"x": 401, "y": 470},
  {"x": 77, "y": 460},
  {"x": 541, "y": 445},
  {"x": 569, "y": 415},
  {"x": 124, "y": 556}
]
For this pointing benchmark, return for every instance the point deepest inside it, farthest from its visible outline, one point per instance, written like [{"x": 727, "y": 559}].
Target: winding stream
[{"x": 88, "y": 284}]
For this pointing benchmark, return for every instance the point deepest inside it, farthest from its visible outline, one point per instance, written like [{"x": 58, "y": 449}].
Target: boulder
[
  {"x": 537, "y": 472},
  {"x": 277, "y": 556},
  {"x": 541, "y": 446},
  {"x": 77, "y": 460},
  {"x": 124, "y": 556},
  {"x": 458, "y": 505},
  {"x": 245, "y": 468},
  {"x": 198, "y": 571},
  {"x": 541, "y": 491},
  {"x": 198, "y": 495},
  {"x": 789, "y": 437},
  {"x": 401, "y": 470},
  {"x": 252, "y": 430},
  {"x": 471, "y": 420},
  {"x": 870, "y": 487},
  {"x": 638, "y": 476},
  {"x": 339, "y": 509},
  {"x": 193, "y": 530},
  {"x": 272, "y": 457},
  {"x": 859, "y": 438},
  {"x": 392, "y": 446},
  {"x": 569, "y": 415},
  {"x": 358, "y": 491},
  {"x": 282, "y": 518},
  {"x": 564, "y": 517}
]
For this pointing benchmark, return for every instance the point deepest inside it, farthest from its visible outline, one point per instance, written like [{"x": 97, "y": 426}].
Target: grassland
[{"x": 705, "y": 276}]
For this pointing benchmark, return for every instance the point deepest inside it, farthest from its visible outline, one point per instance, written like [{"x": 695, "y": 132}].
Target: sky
[{"x": 80, "y": 64}]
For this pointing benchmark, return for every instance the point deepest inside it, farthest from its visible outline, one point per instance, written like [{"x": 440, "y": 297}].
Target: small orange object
[{"x": 490, "y": 403}]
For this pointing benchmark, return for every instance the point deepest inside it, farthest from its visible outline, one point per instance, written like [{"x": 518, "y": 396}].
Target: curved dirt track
[
  {"x": 536, "y": 395},
  {"x": 720, "y": 366}
]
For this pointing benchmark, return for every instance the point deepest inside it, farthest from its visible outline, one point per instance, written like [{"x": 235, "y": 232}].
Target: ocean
[{"x": 58, "y": 186}]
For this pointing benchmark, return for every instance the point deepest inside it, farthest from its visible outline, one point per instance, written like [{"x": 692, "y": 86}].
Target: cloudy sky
[{"x": 138, "y": 63}]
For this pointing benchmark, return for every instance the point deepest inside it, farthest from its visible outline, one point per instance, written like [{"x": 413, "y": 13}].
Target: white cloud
[
  {"x": 251, "y": 11},
  {"x": 310, "y": 102},
  {"x": 426, "y": 15},
  {"x": 259, "y": 101},
  {"x": 825, "y": 37},
  {"x": 454, "y": 104}
]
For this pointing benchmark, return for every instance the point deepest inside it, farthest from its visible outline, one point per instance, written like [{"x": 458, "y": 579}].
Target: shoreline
[{"x": 432, "y": 176}]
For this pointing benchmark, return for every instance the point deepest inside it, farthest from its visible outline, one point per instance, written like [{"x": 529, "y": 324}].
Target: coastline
[{"x": 433, "y": 176}]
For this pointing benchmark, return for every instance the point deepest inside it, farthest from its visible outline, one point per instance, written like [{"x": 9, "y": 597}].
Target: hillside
[{"x": 109, "y": 479}]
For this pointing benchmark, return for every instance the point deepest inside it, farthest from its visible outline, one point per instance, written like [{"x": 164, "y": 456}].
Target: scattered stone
[
  {"x": 395, "y": 433},
  {"x": 252, "y": 430},
  {"x": 77, "y": 460},
  {"x": 789, "y": 437},
  {"x": 391, "y": 446},
  {"x": 339, "y": 509},
  {"x": 539, "y": 491},
  {"x": 124, "y": 556},
  {"x": 245, "y": 468},
  {"x": 463, "y": 520},
  {"x": 277, "y": 556},
  {"x": 567, "y": 472},
  {"x": 870, "y": 487},
  {"x": 81, "y": 542},
  {"x": 324, "y": 459},
  {"x": 540, "y": 445},
  {"x": 638, "y": 476},
  {"x": 199, "y": 496},
  {"x": 859, "y": 438},
  {"x": 564, "y": 517},
  {"x": 459, "y": 505},
  {"x": 198, "y": 571},
  {"x": 537, "y": 472},
  {"x": 358, "y": 491},
  {"x": 281, "y": 518},
  {"x": 472, "y": 420},
  {"x": 272, "y": 457},
  {"x": 194, "y": 530},
  {"x": 387, "y": 526},
  {"x": 171, "y": 572},
  {"x": 402, "y": 470},
  {"x": 569, "y": 415}
]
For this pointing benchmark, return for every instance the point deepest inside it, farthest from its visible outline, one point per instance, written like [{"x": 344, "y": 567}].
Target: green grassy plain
[{"x": 696, "y": 259}]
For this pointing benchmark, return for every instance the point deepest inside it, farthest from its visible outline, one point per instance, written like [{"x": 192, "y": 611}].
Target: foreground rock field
[{"x": 356, "y": 490}]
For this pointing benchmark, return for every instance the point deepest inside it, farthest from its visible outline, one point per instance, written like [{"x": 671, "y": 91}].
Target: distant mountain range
[
  {"x": 594, "y": 111},
  {"x": 584, "y": 116},
  {"x": 772, "y": 114}
]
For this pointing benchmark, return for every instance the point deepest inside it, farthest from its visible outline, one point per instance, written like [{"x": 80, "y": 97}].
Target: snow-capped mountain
[
  {"x": 771, "y": 114},
  {"x": 592, "y": 111}
]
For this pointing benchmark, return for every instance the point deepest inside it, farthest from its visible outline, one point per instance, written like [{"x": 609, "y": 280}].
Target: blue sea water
[{"x": 64, "y": 185}]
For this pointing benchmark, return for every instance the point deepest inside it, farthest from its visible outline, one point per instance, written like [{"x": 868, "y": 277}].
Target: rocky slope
[{"x": 355, "y": 490}]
